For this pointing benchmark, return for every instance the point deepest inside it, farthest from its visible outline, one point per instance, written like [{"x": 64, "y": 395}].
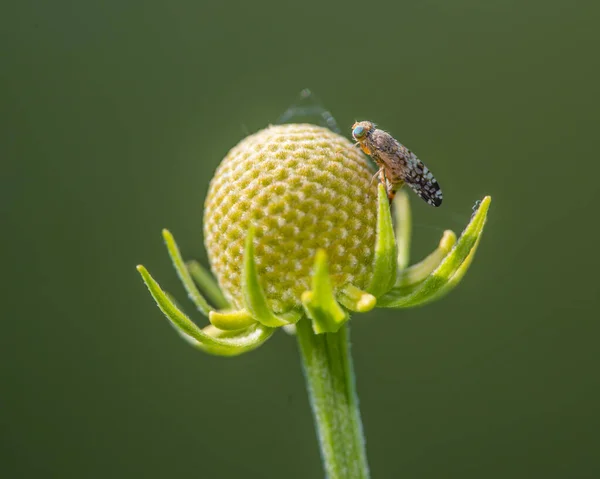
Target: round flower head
[
  {"x": 302, "y": 188},
  {"x": 295, "y": 226},
  {"x": 299, "y": 235}
]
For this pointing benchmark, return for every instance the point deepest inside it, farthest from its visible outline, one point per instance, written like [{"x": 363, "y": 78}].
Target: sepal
[
  {"x": 254, "y": 296},
  {"x": 385, "y": 260},
  {"x": 184, "y": 275},
  {"x": 449, "y": 272},
  {"x": 319, "y": 303},
  {"x": 209, "y": 339}
]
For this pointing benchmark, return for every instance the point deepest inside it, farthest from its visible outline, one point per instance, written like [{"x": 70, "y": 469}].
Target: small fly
[{"x": 397, "y": 164}]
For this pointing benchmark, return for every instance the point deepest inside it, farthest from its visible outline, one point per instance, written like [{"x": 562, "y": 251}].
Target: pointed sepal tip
[
  {"x": 450, "y": 270},
  {"x": 319, "y": 303},
  {"x": 385, "y": 260},
  {"x": 253, "y": 293}
]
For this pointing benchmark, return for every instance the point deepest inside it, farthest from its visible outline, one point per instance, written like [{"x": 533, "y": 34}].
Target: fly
[{"x": 397, "y": 164}]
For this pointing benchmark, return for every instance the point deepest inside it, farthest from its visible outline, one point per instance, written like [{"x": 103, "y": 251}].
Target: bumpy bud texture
[{"x": 302, "y": 187}]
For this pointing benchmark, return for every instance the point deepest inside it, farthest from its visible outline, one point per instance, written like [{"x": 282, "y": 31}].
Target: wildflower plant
[{"x": 299, "y": 237}]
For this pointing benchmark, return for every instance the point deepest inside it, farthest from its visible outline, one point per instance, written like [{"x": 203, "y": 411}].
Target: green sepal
[
  {"x": 447, "y": 275},
  {"x": 254, "y": 296},
  {"x": 205, "y": 280},
  {"x": 231, "y": 320},
  {"x": 210, "y": 340},
  {"x": 385, "y": 261},
  {"x": 356, "y": 299},
  {"x": 235, "y": 342},
  {"x": 459, "y": 273},
  {"x": 403, "y": 228},
  {"x": 419, "y": 272},
  {"x": 184, "y": 274},
  {"x": 320, "y": 305}
]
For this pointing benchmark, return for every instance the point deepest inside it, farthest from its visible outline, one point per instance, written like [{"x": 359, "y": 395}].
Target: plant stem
[{"x": 331, "y": 388}]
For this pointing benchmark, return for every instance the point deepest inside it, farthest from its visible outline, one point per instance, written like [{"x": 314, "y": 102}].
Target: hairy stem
[{"x": 330, "y": 381}]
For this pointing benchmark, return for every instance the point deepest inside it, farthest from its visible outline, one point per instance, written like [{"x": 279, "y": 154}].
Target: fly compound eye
[{"x": 359, "y": 132}]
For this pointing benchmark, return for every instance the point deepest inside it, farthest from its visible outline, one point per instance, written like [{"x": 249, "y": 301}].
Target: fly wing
[{"x": 421, "y": 180}]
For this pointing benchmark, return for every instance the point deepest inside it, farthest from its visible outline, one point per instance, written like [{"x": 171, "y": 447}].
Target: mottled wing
[{"x": 420, "y": 179}]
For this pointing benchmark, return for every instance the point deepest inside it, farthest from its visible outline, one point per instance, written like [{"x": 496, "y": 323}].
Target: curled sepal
[
  {"x": 385, "y": 261},
  {"x": 231, "y": 320},
  {"x": 403, "y": 228},
  {"x": 232, "y": 343},
  {"x": 418, "y": 272},
  {"x": 184, "y": 274},
  {"x": 450, "y": 270},
  {"x": 204, "y": 279},
  {"x": 254, "y": 296},
  {"x": 356, "y": 299},
  {"x": 209, "y": 339},
  {"x": 320, "y": 305}
]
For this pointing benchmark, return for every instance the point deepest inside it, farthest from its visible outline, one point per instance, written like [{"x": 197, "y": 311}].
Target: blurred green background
[{"x": 115, "y": 115}]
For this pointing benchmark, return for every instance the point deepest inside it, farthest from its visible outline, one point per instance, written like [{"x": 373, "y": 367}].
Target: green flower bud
[
  {"x": 299, "y": 235},
  {"x": 295, "y": 226},
  {"x": 302, "y": 188}
]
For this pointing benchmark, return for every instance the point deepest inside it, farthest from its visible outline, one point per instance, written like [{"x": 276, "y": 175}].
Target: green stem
[{"x": 330, "y": 379}]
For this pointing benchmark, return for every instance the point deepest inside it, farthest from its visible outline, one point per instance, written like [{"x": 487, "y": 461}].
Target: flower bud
[{"x": 302, "y": 188}]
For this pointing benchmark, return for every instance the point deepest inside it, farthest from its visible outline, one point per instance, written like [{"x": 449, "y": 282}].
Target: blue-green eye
[{"x": 358, "y": 132}]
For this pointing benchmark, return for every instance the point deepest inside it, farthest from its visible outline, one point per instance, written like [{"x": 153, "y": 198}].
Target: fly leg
[
  {"x": 390, "y": 187},
  {"x": 379, "y": 173}
]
